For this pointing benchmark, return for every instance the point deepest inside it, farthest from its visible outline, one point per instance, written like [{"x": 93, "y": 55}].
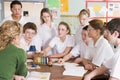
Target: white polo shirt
[
  {"x": 22, "y": 21},
  {"x": 78, "y": 35},
  {"x": 61, "y": 46},
  {"x": 36, "y": 42},
  {"x": 113, "y": 64},
  {"x": 46, "y": 33},
  {"x": 100, "y": 52},
  {"x": 80, "y": 49}
]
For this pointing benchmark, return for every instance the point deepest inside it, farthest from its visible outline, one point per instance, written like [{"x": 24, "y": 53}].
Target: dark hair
[
  {"x": 29, "y": 25},
  {"x": 114, "y": 25},
  {"x": 67, "y": 26},
  {"x": 14, "y": 3},
  {"x": 45, "y": 10},
  {"x": 97, "y": 24},
  {"x": 85, "y": 28},
  {"x": 84, "y": 12}
]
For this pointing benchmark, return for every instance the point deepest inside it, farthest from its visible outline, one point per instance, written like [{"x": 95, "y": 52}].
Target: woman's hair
[
  {"x": 84, "y": 12},
  {"x": 45, "y": 10},
  {"x": 14, "y": 3},
  {"x": 8, "y": 31},
  {"x": 85, "y": 28},
  {"x": 66, "y": 25},
  {"x": 29, "y": 25},
  {"x": 114, "y": 25},
  {"x": 97, "y": 25}
]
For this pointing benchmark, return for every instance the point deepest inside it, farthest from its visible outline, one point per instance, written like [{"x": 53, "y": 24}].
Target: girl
[
  {"x": 79, "y": 49},
  {"x": 113, "y": 36},
  {"x": 99, "y": 48},
  {"x": 48, "y": 29},
  {"x": 63, "y": 43},
  {"x": 83, "y": 18}
]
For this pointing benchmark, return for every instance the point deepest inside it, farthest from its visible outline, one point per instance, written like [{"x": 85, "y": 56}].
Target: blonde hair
[
  {"x": 8, "y": 30},
  {"x": 84, "y": 12}
]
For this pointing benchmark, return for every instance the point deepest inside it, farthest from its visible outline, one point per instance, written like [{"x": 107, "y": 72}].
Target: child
[
  {"x": 83, "y": 18},
  {"x": 30, "y": 38},
  {"x": 99, "y": 48},
  {"x": 48, "y": 29},
  {"x": 79, "y": 49},
  {"x": 63, "y": 43},
  {"x": 113, "y": 64}
]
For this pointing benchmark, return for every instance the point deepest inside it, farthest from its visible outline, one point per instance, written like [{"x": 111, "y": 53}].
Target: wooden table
[{"x": 56, "y": 73}]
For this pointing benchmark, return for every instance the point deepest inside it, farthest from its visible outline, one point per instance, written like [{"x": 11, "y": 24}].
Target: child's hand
[{"x": 60, "y": 61}]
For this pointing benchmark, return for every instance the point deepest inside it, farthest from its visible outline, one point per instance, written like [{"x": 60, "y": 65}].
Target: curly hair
[{"x": 8, "y": 31}]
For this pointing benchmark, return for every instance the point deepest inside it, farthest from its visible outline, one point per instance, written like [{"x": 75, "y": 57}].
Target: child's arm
[
  {"x": 67, "y": 50},
  {"x": 95, "y": 72}
]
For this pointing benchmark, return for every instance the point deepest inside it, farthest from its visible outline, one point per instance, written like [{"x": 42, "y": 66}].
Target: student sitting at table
[
  {"x": 99, "y": 48},
  {"x": 112, "y": 34},
  {"x": 30, "y": 38},
  {"x": 62, "y": 43},
  {"x": 12, "y": 58},
  {"x": 79, "y": 49}
]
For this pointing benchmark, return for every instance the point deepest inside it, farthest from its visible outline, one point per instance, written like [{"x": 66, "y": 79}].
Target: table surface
[{"x": 57, "y": 73}]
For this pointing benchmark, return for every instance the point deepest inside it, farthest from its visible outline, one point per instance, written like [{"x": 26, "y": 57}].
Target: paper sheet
[
  {"x": 38, "y": 75},
  {"x": 74, "y": 71}
]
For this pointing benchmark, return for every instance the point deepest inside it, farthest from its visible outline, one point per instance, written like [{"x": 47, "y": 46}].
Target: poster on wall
[
  {"x": 53, "y": 4},
  {"x": 97, "y": 9},
  {"x": 64, "y": 6},
  {"x": 114, "y": 9}
]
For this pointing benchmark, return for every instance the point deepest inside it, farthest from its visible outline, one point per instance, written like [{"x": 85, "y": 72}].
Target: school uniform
[
  {"x": 46, "y": 33},
  {"x": 22, "y": 21},
  {"x": 78, "y": 35},
  {"x": 80, "y": 49},
  {"x": 100, "y": 52},
  {"x": 113, "y": 64},
  {"x": 60, "y": 46},
  {"x": 36, "y": 41}
]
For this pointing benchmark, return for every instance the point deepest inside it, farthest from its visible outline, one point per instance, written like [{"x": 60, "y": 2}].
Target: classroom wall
[{"x": 71, "y": 16}]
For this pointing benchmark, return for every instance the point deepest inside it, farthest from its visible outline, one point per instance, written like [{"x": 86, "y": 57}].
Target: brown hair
[
  {"x": 29, "y": 25},
  {"x": 97, "y": 24},
  {"x": 66, "y": 25},
  {"x": 45, "y": 10},
  {"x": 114, "y": 25}
]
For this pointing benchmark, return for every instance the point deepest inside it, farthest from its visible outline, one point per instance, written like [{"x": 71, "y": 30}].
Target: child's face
[
  {"x": 110, "y": 37},
  {"x": 85, "y": 35},
  {"x": 46, "y": 17},
  {"x": 29, "y": 34},
  {"x": 83, "y": 20},
  {"x": 62, "y": 30},
  {"x": 16, "y": 10},
  {"x": 92, "y": 33}
]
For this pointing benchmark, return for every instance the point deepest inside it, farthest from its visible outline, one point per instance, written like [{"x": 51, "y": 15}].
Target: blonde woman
[{"x": 12, "y": 58}]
